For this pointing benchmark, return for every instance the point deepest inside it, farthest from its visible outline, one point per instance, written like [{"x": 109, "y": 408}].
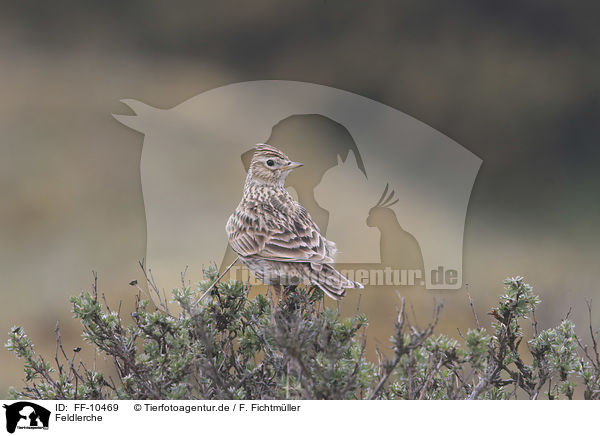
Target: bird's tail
[{"x": 330, "y": 280}]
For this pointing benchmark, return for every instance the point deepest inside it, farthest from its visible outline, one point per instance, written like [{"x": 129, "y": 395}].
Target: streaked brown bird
[{"x": 274, "y": 235}]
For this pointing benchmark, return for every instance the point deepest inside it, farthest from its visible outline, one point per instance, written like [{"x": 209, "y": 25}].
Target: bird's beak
[{"x": 291, "y": 166}]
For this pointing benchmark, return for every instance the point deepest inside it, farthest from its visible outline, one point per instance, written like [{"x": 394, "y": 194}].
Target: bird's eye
[{"x": 270, "y": 162}]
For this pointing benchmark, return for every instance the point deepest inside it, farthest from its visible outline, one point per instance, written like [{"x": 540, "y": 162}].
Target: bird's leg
[
  {"x": 275, "y": 297},
  {"x": 277, "y": 294},
  {"x": 272, "y": 299}
]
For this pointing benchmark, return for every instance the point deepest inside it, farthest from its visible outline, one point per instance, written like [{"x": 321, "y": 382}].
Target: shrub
[{"x": 220, "y": 344}]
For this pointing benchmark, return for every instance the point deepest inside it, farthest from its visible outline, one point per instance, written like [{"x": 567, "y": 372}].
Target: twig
[
  {"x": 432, "y": 371},
  {"x": 594, "y": 342},
  {"x": 534, "y": 323},
  {"x": 473, "y": 307},
  {"x": 183, "y": 276},
  {"x": 287, "y": 381},
  {"x": 219, "y": 278},
  {"x": 568, "y": 313}
]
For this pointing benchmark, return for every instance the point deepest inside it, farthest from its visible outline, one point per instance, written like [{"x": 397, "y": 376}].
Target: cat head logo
[{"x": 388, "y": 189}]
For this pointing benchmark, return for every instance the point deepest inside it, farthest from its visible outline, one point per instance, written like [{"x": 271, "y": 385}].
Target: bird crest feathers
[{"x": 266, "y": 150}]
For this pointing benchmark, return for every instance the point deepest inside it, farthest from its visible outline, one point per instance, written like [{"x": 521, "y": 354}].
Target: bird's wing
[
  {"x": 297, "y": 239},
  {"x": 279, "y": 237},
  {"x": 243, "y": 231}
]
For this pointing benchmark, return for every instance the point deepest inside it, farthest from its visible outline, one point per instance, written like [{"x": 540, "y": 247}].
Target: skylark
[{"x": 275, "y": 237}]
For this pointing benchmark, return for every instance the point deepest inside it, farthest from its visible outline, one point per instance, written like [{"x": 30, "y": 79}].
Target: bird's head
[{"x": 270, "y": 165}]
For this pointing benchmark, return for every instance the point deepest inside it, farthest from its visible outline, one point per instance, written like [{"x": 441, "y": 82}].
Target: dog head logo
[
  {"x": 26, "y": 415},
  {"x": 388, "y": 189}
]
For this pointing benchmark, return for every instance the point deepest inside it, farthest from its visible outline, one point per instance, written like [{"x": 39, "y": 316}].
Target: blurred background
[{"x": 515, "y": 82}]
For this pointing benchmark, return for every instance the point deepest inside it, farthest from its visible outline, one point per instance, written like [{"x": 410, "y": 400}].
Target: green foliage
[{"x": 213, "y": 342}]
